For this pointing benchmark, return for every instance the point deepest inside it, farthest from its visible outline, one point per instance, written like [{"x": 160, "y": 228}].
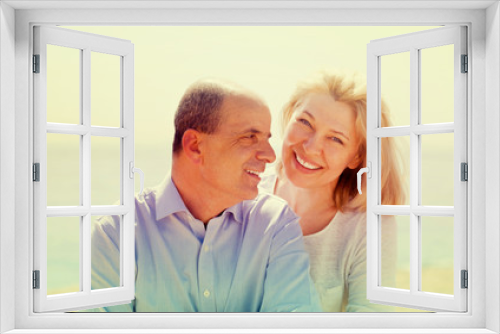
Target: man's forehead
[
  {"x": 244, "y": 108},
  {"x": 249, "y": 129},
  {"x": 239, "y": 121},
  {"x": 242, "y": 100}
]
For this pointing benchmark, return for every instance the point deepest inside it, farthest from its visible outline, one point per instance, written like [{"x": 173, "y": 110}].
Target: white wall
[
  {"x": 7, "y": 90},
  {"x": 492, "y": 164}
]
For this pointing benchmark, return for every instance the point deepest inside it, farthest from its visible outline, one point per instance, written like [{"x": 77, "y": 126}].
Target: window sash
[
  {"x": 413, "y": 43},
  {"x": 86, "y": 298}
]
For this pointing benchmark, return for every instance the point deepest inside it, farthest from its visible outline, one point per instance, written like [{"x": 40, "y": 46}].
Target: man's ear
[
  {"x": 354, "y": 162},
  {"x": 191, "y": 145}
]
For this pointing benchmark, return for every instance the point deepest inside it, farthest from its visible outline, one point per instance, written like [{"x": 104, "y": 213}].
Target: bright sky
[{"x": 269, "y": 60}]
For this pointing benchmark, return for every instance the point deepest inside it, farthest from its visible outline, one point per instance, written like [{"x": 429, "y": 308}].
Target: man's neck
[{"x": 201, "y": 205}]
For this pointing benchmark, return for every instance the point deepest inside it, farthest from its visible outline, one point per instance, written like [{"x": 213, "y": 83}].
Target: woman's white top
[{"x": 338, "y": 259}]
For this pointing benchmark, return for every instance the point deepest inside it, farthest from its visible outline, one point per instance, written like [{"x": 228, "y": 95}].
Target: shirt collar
[
  {"x": 169, "y": 201},
  {"x": 237, "y": 211}
]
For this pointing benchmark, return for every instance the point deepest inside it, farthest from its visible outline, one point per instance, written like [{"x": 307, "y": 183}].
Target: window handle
[
  {"x": 368, "y": 171},
  {"x": 133, "y": 170}
]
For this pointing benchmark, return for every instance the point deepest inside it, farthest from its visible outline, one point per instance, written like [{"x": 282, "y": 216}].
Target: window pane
[
  {"x": 437, "y": 254},
  {"x": 437, "y": 169},
  {"x": 63, "y": 170},
  {"x": 394, "y": 171},
  {"x": 395, "y": 252},
  {"x": 63, "y": 84},
  {"x": 105, "y": 89},
  {"x": 63, "y": 255},
  {"x": 106, "y": 170},
  {"x": 437, "y": 84},
  {"x": 395, "y": 86},
  {"x": 106, "y": 264}
]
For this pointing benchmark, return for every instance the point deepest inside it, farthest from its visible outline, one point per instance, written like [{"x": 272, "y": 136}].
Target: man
[{"x": 204, "y": 241}]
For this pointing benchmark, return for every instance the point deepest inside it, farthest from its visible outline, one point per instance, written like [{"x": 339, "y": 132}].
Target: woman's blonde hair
[{"x": 349, "y": 91}]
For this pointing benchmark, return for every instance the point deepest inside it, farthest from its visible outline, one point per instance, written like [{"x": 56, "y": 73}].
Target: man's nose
[{"x": 266, "y": 153}]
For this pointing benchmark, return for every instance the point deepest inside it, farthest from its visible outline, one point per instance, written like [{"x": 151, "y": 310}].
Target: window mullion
[
  {"x": 127, "y": 227},
  {"x": 414, "y": 171},
  {"x": 100, "y": 210},
  {"x": 373, "y": 190},
  {"x": 85, "y": 163},
  {"x": 81, "y": 130},
  {"x": 396, "y": 210}
]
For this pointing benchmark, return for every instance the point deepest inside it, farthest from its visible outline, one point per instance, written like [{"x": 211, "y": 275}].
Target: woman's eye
[
  {"x": 304, "y": 121},
  {"x": 337, "y": 140}
]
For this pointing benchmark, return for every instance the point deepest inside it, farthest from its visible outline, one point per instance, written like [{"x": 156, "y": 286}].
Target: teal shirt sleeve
[
  {"x": 288, "y": 286},
  {"x": 105, "y": 260}
]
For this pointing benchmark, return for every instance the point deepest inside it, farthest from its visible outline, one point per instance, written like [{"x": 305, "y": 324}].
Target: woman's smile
[{"x": 305, "y": 164}]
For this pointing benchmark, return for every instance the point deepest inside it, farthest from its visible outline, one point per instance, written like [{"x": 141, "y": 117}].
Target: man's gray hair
[{"x": 199, "y": 109}]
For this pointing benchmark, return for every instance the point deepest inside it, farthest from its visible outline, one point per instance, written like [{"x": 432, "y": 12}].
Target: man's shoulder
[
  {"x": 146, "y": 205},
  {"x": 267, "y": 200},
  {"x": 268, "y": 207},
  {"x": 270, "y": 198},
  {"x": 147, "y": 197}
]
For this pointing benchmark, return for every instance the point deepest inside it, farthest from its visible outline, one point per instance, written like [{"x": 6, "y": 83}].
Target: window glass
[
  {"x": 395, "y": 163},
  {"x": 105, "y": 89},
  {"x": 437, "y": 169},
  {"x": 437, "y": 254},
  {"x": 111, "y": 261},
  {"x": 395, "y": 250},
  {"x": 437, "y": 84},
  {"x": 63, "y": 170},
  {"x": 106, "y": 170},
  {"x": 63, "y": 255},
  {"x": 395, "y": 86},
  {"x": 63, "y": 84}
]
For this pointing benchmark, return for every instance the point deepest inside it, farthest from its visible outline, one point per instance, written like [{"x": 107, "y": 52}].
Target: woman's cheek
[{"x": 294, "y": 135}]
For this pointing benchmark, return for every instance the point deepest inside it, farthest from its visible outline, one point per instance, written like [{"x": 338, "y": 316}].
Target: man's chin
[
  {"x": 238, "y": 198},
  {"x": 250, "y": 195}
]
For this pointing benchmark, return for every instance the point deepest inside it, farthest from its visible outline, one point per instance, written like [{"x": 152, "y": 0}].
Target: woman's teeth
[{"x": 306, "y": 164}]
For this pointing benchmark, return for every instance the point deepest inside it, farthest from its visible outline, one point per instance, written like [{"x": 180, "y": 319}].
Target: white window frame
[
  {"x": 413, "y": 44},
  {"x": 483, "y": 20},
  {"x": 85, "y": 43}
]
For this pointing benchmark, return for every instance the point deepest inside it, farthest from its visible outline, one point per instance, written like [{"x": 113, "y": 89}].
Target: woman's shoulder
[
  {"x": 351, "y": 223},
  {"x": 352, "y": 217}
]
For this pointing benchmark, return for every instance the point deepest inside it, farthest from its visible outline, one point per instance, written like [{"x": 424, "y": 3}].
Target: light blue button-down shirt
[{"x": 251, "y": 258}]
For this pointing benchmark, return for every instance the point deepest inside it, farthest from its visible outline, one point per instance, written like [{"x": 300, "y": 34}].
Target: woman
[{"x": 324, "y": 147}]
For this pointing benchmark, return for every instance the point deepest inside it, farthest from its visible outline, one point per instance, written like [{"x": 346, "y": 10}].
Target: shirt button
[
  {"x": 206, "y": 293},
  {"x": 206, "y": 249}
]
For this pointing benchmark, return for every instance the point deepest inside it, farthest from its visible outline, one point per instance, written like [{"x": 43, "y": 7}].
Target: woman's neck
[{"x": 314, "y": 206}]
